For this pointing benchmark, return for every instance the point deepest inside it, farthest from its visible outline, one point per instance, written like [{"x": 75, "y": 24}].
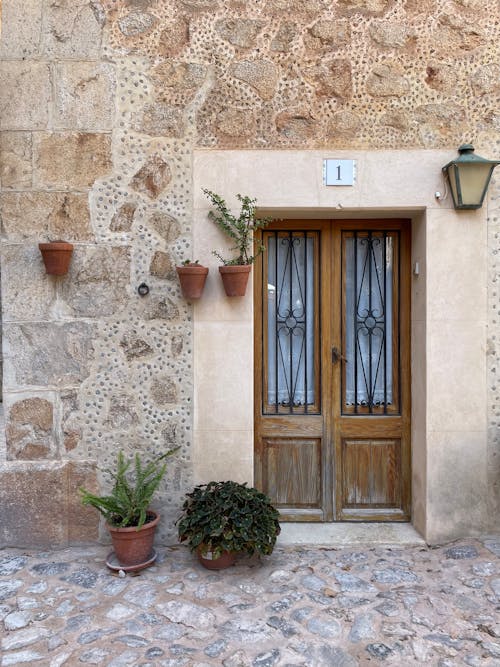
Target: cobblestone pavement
[{"x": 300, "y": 606}]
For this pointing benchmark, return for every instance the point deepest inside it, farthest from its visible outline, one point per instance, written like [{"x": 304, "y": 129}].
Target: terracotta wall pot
[
  {"x": 192, "y": 278},
  {"x": 235, "y": 278},
  {"x": 56, "y": 257},
  {"x": 132, "y": 546},
  {"x": 225, "y": 560}
]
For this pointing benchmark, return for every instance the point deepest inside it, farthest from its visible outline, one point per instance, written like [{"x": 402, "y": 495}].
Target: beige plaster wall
[{"x": 449, "y": 313}]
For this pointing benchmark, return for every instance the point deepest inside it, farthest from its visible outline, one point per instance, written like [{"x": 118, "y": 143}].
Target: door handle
[{"x": 337, "y": 356}]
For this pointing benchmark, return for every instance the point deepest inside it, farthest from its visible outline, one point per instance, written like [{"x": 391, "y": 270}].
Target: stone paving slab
[{"x": 309, "y": 606}]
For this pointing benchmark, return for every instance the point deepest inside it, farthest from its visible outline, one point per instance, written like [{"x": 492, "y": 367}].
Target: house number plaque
[{"x": 338, "y": 172}]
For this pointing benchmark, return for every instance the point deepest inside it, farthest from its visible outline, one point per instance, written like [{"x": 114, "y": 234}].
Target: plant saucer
[{"x": 114, "y": 564}]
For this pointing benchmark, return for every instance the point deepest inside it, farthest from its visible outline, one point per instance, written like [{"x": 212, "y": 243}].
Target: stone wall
[{"x": 103, "y": 103}]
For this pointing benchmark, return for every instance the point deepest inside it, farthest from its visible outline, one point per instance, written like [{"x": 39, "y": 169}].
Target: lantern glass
[
  {"x": 469, "y": 183},
  {"x": 469, "y": 176}
]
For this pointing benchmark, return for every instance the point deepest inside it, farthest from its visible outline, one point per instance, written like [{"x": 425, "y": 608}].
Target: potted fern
[
  {"x": 240, "y": 229},
  {"x": 222, "y": 519},
  {"x": 129, "y": 518}
]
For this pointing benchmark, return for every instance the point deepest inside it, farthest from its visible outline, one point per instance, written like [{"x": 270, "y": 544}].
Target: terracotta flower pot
[
  {"x": 192, "y": 278},
  {"x": 235, "y": 278},
  {"x": 56, "y": 257},
  {"x": 132, "y": 546},
  {"x": 225, "y": 560}
]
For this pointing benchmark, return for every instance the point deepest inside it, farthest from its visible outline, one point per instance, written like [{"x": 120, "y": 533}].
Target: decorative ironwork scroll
[
  {"x": 292, "y": 323},
  {"x": 370, "y": 340}
]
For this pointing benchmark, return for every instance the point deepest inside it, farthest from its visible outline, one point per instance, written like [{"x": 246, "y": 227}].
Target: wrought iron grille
[
  {"x": 292, "y": 330},
  {"x": 370, "y": 328}
]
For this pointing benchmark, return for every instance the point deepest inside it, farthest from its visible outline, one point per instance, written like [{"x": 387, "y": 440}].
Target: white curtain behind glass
[
  {"x": 368, "y": 320},
  {"x": 290, "y": 310}
]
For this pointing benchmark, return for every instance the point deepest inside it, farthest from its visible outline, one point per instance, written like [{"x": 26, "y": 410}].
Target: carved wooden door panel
[{"x": 332, "y": 370}]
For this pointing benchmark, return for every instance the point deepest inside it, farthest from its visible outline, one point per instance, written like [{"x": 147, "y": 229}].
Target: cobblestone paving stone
[{"x": 301, "y": 606}]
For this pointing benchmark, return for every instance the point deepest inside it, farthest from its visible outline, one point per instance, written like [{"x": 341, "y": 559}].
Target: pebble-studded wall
[{"x": 104, "y": 102}]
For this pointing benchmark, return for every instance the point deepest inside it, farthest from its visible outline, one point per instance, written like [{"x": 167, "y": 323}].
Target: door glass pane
[
  {"x": 291, "y": 323},
  {"x": 370, "y": 341}
]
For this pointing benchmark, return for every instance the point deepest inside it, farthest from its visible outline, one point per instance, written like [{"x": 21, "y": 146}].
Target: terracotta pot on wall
[
  {"x": 56, "y": 257},
  {"x": 192, "y": 278},
  {"x": 235, "y": 278},
  {"x": 132, "y": 546}
]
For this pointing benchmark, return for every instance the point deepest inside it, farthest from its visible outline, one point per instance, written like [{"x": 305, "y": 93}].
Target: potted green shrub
[
  {"x": 129, "y": 518},
  {"x": 192, "y": 277},
  {"x": 240, "y": 229},
  {"x": 222, "y": 519}
]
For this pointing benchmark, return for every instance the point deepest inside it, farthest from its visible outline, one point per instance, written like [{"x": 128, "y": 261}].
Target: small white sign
[{"x": 339, "y": 172}]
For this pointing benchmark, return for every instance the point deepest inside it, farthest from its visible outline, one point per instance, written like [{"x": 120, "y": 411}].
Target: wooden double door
[{"x": 332, "y": 369}]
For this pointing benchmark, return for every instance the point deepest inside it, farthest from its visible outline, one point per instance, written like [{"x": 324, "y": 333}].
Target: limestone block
[
  {"x": 456, "y": 34},
  {"x": 440, "y": 120},
  {"x": 71, "y": 420},
  {"x": 29, "y": 430},
  {"x": 84, "y": 96},
  {"x": 344, "y": 125},
  {"x": 122, "y": 412},
  {"x": 83, "y": 522},
  {"x": 21, "y": 28},
  {"x": 46, "y": 353},
  {"x": 283, "y": 39},
  {"x": 164, "y": 391},
  {"x": 239, "y": 31},
  {"x": 176, "y": 345},
  {"x": 70, "y": 218},
  {"x": 486, "y": 79},
  {"x": 441, "y": 76},
  {"x": 152, "y": 178},
  {"x": 331, "y": 79},
  {"x": 297, "y": 126},
  {"x": 43, "y": 216},
  {"x": 70, "y": 159},
  {"x": 290, "y": 7},
  {"x": 236, "y": 122},
  {"x": 165, "y": 226},
  {"x": 399, "y": 120},
  {"x": 386, "y": 81},
  {"x": 173, "y": 38},
  {"x": 159, "y": 308},
  {"x": 135, "y": 347},
  {"x": 421, "y": 7},
  {"x": 160, "y": 119},
  {"x": 326, "y": 33},
  {"x": 22, "y": 84},
  {"x": 51, "y": 514},
  {"x": 162, "y": 266},
  {"x": 15, "y": 160},
  {"x": 262, "y": 75},
  {"x": 390, "y": 34},
  {"x": 73, "y": 29},
  {"x": 123, "y": 218},
  {"x": 365, "y": 6},
  {"x": 36, "y": 518},
  {"x": 136, "y": 22},
  {"x": 179, "y": 81},
  {"x": 22, "y": 265},
  {"x": 97, "y": 282},
  {"x": 200, "y": 5}
]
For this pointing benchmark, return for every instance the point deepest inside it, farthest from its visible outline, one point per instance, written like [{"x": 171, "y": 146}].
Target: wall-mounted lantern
[{"x": 469, "y": 176}]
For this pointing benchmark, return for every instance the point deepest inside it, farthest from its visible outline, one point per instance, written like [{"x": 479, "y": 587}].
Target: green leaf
[{"x": 130, "y": 497}]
